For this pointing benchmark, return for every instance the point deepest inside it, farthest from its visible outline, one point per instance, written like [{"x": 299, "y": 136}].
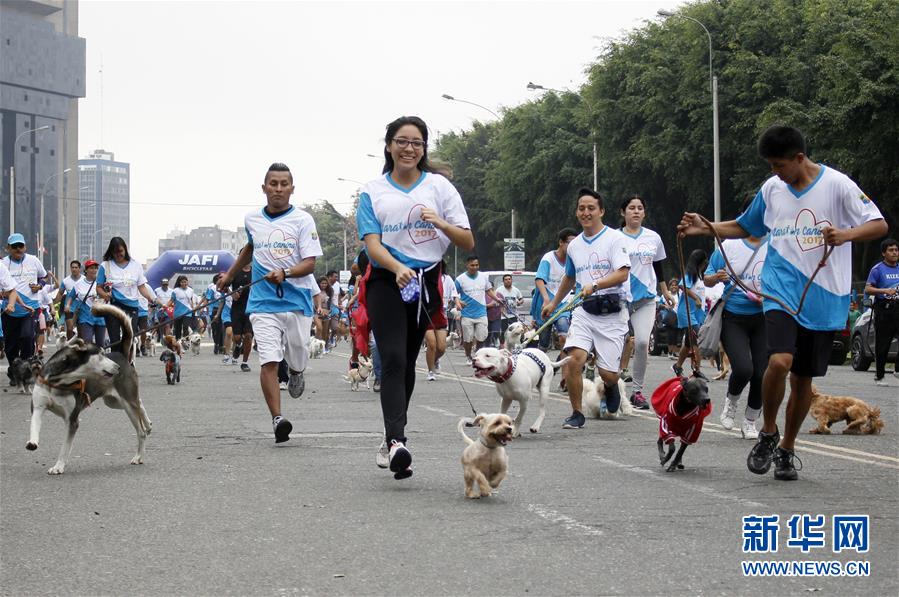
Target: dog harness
[
  {"x": 73, "y": 387},
  {"x": 512, "y": 362},
  {"x": 671, "y": 425}
]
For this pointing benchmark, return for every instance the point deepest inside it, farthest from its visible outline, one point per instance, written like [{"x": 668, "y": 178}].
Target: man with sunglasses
[{"x": 18, "y": 326}]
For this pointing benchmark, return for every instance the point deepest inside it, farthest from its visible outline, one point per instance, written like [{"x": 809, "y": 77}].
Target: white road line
[
  {"x": 434, "y": 409},
  {"x": 569, "y": 523},
  {"x": 689, "y": 485}
]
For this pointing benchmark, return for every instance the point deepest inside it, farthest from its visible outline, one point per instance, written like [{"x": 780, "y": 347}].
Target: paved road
[{"x": 218, "y": 508}]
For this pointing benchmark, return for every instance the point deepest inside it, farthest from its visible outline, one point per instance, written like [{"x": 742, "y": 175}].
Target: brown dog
[
  {"x": 484, "y": 461},
  {"x": 827, "y": 410}
]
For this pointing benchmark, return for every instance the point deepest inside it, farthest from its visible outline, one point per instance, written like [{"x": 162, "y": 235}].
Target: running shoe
[
  {"x": 297, "y": 384},
  {"x": 748, "y": 430},
  {"x": 282, "y": 429},
  {"x": 639, "y": 402},
  {"x": 626, "y": 376},
  {"x": 244, "y": 367},
  {"x": 575, "y": 421},
  {"x": 762, "y": 453},
  {"x": 728, "y": 414},
  {"x": 382, "y": 458},
  {"x": 784, "y": 469},
  {"x": 431, "y": 376},
  {"x": 282, "y": 385},
  {"x": 400, "y": 460},
  {"x": 679, "y": 371},
  {"x": 376, "y": 386}
]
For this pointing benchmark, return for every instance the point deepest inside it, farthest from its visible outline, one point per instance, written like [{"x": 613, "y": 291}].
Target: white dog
[
  {"x": 454, "y": 341},
  {"x": 594, "y": 393},
  {"x": 360, "y": 374},
  {"x": 515, "y": 376},
  {"x": 195, "y": 340},
  {"x": 316, "y": 347},
  {"x": 514, "y": 334}
]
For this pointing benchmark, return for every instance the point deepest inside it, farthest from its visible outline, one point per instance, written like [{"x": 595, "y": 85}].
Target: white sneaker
[
  {"x": 727, "y": 415},
  {"x": 468, "y": 362},
  {"x": 437, "y": 365},
  {"x": 431, "y": 376},
  {"x": 748, "y": 429},
  {"x": 400, "y": 460},
  {"x": 227, "y": 361},
  {"x": 282, "y": 386},
  {"x": 382, "y": 458},
  {"x": 880, "y": 382}
]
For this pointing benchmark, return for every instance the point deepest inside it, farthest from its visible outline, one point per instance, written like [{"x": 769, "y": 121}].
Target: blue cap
[{"x": 15, "y": 237}]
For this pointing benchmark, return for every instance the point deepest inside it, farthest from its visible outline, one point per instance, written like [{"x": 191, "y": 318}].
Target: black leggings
[
  {"x": 886, "y": 326},
  {"x": 744, "y": 341},
  {"x": 19, "y": 332},
  {"x": 183, "y": 326},
  {"x": 398, "y": 334}
]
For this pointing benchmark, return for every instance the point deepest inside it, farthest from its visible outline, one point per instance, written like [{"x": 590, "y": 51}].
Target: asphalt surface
[{"x": 219, "y": 508}]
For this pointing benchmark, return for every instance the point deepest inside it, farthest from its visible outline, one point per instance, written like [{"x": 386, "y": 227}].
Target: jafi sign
[{"x": 513, "y": 254}]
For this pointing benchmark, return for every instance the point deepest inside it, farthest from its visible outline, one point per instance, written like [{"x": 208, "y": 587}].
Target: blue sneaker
[
  {"x": 575, "y": 421},
  {"x": 603, "y": 409}
]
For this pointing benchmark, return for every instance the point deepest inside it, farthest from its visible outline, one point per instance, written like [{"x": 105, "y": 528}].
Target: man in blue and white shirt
[
  {"x": 282, "y": 244},
  {"x": 546, "y": 284},
  {"x": 18, "y": 326},
  {"x": 473, "y": 287},
  {"x": 803, "y": 208}
]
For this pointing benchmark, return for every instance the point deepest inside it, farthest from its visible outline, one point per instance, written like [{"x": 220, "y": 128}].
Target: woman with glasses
[
  {"x": 120, "y": 280},
  {"x": 407, "y": 219}
]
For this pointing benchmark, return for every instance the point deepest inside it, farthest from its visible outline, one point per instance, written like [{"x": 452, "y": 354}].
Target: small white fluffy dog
[
  {"x": 484, "y": 462},
  {"x": 316, "y": 347},
  {"x": 454, "y": 341},
  {"x": 593, "y": 394},
  {"x": 515, "y": 376},
  {"x": 360, "y": 374},
  {"x": 514, "y": 334},
  {"x": 195, "y": 340}
]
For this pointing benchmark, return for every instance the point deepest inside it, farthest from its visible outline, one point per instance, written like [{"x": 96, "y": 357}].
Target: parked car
[
  {"x": 523, "y": 281},
  {"x": 863, "y": 342},
  {"x": 841, "y": 343}
]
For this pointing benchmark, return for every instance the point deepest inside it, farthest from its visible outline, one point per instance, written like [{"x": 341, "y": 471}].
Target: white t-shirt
[
  {"x": 793, "y": 220},
  {"x": 163, "y": 296},
  {"x": 125, "y": 281},
  {"x": 185, "y": 299},
  {"x": 473, "y": 292},
  {"x": 387, "y": 209},
  {"x": 510, "y": 297},
  {"x": 645, "y": 248},
  {"x": 281, "y": 242},
  {"x": 449, "y": 292},
  {"x": 6, "y": 281},
  {"x": 25, "y": 273},
  {"x": 69, "y": 282},
  {"x": 592, "y": 259}
]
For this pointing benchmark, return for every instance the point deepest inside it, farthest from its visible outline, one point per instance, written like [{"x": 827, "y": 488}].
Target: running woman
[
  {"x": 803, "y": 208},
  {"x": 598, "y": 260},
  {"x": 183, "y": 300},
  {"x": 80, "y": 300},
  {"x": 282, "y": 244},
  {"x": 119, "y": 281},
  {"x": 407, "y": 219},
  {"x": 646, "y": 280}
]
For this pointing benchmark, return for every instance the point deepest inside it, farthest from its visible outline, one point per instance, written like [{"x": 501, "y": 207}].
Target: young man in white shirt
[
  {"x": 473, "y": 287},
  {"x": 282, "y": 246},
  {"x": 65, "y": 288},
  {"x": 803, "y": 208},
  {"x": 512, "y": 299}
]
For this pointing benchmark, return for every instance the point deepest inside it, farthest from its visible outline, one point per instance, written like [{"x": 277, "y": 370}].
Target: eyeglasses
[
  {"x": 18, "y": 246},
  {"x": 403, "y": 143}
]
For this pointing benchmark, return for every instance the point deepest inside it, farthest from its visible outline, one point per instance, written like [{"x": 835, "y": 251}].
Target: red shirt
[{"x": 671, "y": 425}]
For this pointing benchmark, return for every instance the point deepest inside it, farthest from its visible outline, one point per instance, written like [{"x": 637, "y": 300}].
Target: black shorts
[
  {"x": 240, "y": 323},
  {"x": 810, "y": 348}
]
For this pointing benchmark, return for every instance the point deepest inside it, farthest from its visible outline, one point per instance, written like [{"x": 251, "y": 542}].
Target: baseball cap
[
  {"x": 90, "y": 263},
  {"x": 15, "y": 237},
  {"x": 165, "y": 280}
]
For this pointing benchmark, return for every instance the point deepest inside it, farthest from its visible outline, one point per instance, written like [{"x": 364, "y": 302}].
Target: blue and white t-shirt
[
  {"x": 550, "y": 270},
  {"x": 592, "y": 259},
  {"x": 794, "y": 220},
  {"x": 279, "y": 242},
  {"x": 25, "y": 273},
  {"x": 473, "y": 292},
  {"x": 226, "y": 310},
  {"x": 163, "y": 296},
  {"x": 68, "y": 283},
  {"x": 124, "y": 279},
  {"x": 212, "y": 294},
  {"x": 83, "y": 294},
  {"x": 883, "y": 276},
  {"x": 645, "y": 248},
  {"x": 394, "y": 212},
  {"x": 184, "y": 300},
  {"x": 739, "y": 253},
  {"x": 697, "y": 313}
]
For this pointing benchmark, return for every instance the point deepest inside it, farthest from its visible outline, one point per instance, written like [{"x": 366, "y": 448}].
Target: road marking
[
  {"x": 690, "y": 485},
  {"x": 569, "y": 523},
  {"x": 434, "y": 409}
]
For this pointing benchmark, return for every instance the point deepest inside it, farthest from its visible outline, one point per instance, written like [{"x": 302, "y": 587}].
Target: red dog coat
[{"x": 671, "y": 425}]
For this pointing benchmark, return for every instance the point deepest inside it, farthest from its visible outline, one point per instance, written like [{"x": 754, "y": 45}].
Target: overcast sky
[{"x": 200, "y": 97}]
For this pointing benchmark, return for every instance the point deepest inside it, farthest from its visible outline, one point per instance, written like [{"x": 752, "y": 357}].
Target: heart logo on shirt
[
  {"x": 281, "y": 245},
  {"x": 646, "y": 253},
  {"x": 755, "y": 276},
  {"x": 419, "y": 230},
  {"x": 598, "y": 268},
  {"x": 808, "y": 230}
]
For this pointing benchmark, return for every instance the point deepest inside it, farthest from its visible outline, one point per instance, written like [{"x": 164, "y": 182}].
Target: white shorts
[
  {"x": 474, "y": 328},
  {"x": 282, "y": 336},
  {"x": 605, "y": 333}
]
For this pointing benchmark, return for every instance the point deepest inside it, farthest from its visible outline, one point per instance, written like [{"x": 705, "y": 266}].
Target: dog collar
[
  {"x": 76, "y": 386},
  {"x": 505, "y": 376},
  {"x": 481, "y": 439}
]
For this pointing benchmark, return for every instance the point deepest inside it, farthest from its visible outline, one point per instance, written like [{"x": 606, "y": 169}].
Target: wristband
[{"x": 286, "y": 273}]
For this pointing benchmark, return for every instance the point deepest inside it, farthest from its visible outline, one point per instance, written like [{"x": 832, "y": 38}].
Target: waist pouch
[{"x": 602, "y": 304}]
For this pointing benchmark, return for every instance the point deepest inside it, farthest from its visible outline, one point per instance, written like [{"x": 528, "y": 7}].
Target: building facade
[
  {"x": 205, "y": 238},
  {"x": 104, "y": 195},
  {"x": 42, "y": 75}
]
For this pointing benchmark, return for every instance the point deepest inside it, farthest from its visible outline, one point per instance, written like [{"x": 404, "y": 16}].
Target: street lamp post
[
  {"x": 713, "y": 86},
  {"x": 455, "y": 99},
  {"x": 41, "y": 241},
  {"x": 535, "y": 87},
  {"x": 12, "y": 176}
]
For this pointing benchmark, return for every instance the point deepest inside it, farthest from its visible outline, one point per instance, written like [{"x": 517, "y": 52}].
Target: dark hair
[
  {"x": 584, "y": 191},
  {"x": 781, "y": 141},
  {"x": 333, "y": 271},
  {"x": 564, "y": 233},
  {"x": 279, "y": 167},
  {"x": 507, "y": 276},
  {"x": 114, "y": 243},
  {"x": 396, "y": 125},
  {"x": 887, "y": 243},
  {"x": 328, "y": 290},
  {"x": 215, "y": 278},
  {"x": 74, "y": 262},
  {"x": 626, "y": 202},
  {"x": 471, "y": 258},
  {"x": 179, "y": 278},
  {"x": 694, "y": 261}
]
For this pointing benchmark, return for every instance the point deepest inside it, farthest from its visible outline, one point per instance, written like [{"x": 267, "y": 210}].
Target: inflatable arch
[{"x": 172, "y": 263}]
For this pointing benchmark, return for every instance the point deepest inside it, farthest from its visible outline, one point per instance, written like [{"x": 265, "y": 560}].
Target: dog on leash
[
  {"x": 316, "y": 347},
  {"x": 682, "y": 404},
  {"x": 195, "y": 339},
  {"x": 593, "y": 400},
  {"x": 79, "y": 374},
  {"x": 149, "y": 346},
  {"x": 454, "y": 341},
  {"x": 484, "y": 462},
  {"x": 172, "y": 366},
  {"x": 515, "y": 376},
  {"x": 23, "y": 373},
  {"x": 358, "y": 375},
  {"x": 861, "y": 419},
  {"x": 514, "y": 334}
]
